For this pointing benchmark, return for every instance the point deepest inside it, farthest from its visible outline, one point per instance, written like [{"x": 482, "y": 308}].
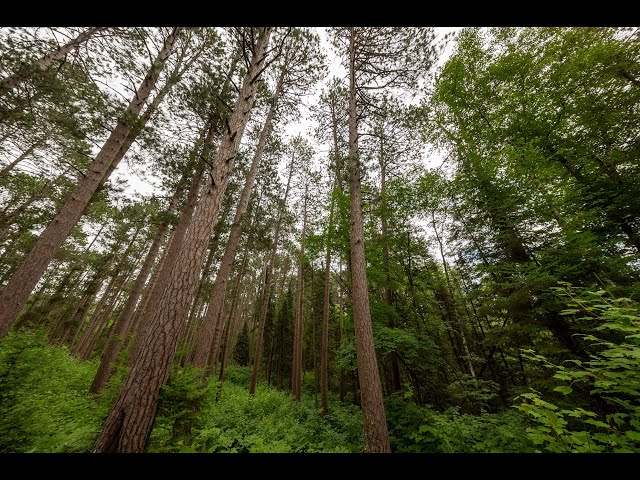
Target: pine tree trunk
[
  {"x": 210, "y": 336},
  {"x": 194, "y": 320},
  {"x": 234, "y": 320},
  {"x": 165, "y": 269},
  {"x": 12, "y": 81},
  {"x": 373, "y": 415},
  {"x": 394, "y": 367},
  {"x": 324, "y": 344},
  {"x": 143, "y": 319},
  {"x": 26, "y": 277},
  {"x": 297, "y": 368},
  {"x": 95, "y": 319},
  {"x": 7, "y": 169},
  {"x": 130, "y": 421}
]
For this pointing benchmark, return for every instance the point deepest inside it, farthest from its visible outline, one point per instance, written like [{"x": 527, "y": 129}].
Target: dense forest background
[{"x": 354, "y": 239}]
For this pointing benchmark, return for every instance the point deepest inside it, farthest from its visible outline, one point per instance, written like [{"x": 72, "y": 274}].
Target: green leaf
[{"x": 563, "y": 389}]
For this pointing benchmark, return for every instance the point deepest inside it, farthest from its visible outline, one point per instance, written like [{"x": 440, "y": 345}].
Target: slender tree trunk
[
  {"x": 130, "y": 421},
  {"x": 394, "y": 366},
  {"x": 210, "y": 338},
  {"x": 7, "y": 169},
  {"x": 341, "y": 334},
  {"x": 12, "y": 81},
  {"x": 453, "y": 314},
  {"x": 373, "y": 416},
  {"x": 297, "y": 368},
  {"x": 90, "y": 293},
  {"x": 324, "y": 344},
  {"x": 105, "y": 316},
  {"x": 233, "y": 319},
  {"x": 267, "y": 287},
  {"x": 26, "y": 277},
  {"x": 94, "y": 322}
]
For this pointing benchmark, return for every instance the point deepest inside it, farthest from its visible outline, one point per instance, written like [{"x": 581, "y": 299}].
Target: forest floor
[{"x": 45, "y": 407}]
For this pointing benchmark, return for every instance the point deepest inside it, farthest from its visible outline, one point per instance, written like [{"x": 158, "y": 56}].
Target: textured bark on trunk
[
  {"x": 26, "y": 277},
  {"x": 169, "y": 261},
  {"x": 106, "y": 315},
  {"x": 129, "y": 424},
  {"x": 342, "y": 387},
  {"x": 213, "y": 354},
  {"x": 266, "y": 293},
  {"x": 373, "y": 415},
  {"x": 12, "y": 81},
  {"x": 142, "y": 317},
  {"x": 194, "y": 320},
  {"x": 297, "y": 368},
  {"x": 123, "y": 322},
  {"x": 207, "y": 346},
  {"x": 90, "y": 294}
]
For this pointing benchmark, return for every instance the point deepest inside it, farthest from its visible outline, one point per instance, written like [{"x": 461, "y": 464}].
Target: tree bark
[
  {"x": 373, "y": 415},
  {"x": 26, "y": 277},
  {"x": 233, "y": 319},
  {"x": 394, "y": 367},
  {"x": 129, "y": 424},
  {"x": 94, "y": 322},
  {"x": 212, "y": 329}
]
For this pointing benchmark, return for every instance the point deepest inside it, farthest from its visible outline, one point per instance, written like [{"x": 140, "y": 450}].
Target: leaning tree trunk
[
  {"x": 7, "y": 169},
  {"x": 94, "y": 322},
  {"x": 373, "y": 415},
  {"x": 210, "y": 335},
  {"x": 129, "y": 424},
  {"x": 12, "y": 81},
  {"x": 26, "y": 277},
  {"x": 235, "y": 295}
]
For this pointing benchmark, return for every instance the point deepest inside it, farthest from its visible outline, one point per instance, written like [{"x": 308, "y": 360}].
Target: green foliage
[
  {"x": 269, "y": 422},
  {"x": 609, "y": 376},
  {"x": 44, "y": 404},
  {"x": 424, "y": 430}
]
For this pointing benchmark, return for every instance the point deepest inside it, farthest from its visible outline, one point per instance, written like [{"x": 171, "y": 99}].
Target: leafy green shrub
[
  {"x": 44, "y": 404},
  {"x": 423, "y": 430},
  {"x": 270, "y": 421},
  {"x": 610, "y": 376}
]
